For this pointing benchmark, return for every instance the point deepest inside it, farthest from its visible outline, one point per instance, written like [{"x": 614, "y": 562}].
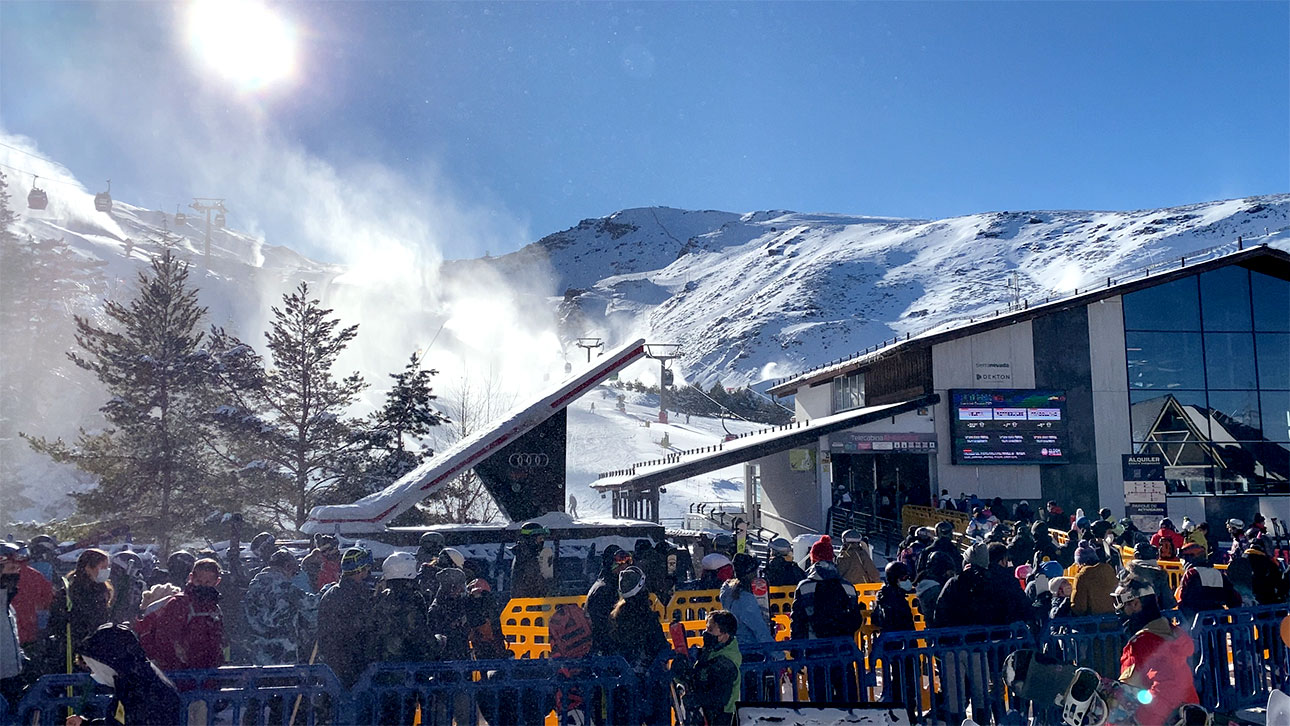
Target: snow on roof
[
  {"x": 373, "y": 512},
  {"x": 749, "y": 446}
]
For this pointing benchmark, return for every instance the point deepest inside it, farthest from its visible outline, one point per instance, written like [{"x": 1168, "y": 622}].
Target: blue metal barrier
[
  {"x": 502, "y": 691},
  {"x": 52, "y": 698},
  {"x": 262, "y": 695},
  {"x": 820, "y": 671},
  {"x": 1095, "y": 641},
  {"x": 1240, "y": 658},
  {"x": 949, "y": 669}
]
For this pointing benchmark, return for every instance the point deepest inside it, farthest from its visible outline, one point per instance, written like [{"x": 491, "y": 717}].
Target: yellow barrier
[
  {"x": 524, "y": 624},
  {"x": 915, "y": 516}
]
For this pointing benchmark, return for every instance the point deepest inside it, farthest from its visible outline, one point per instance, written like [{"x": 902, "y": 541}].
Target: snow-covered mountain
[
  {"x": 750, "y": 297},
  {"x": 757, "y": 296}
]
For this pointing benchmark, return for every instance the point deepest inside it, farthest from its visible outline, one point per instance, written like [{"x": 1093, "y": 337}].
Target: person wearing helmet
[
  {"x": 187, "y": 632},
  {"x": 855, "y": 564},
  {"x": 1268, "y": 585},
  {"x": 127, "y": 586},
  {"x": 1158, "y": 653},
  {"x": 527, "y": 577},
  {"x": 639, "y": 639},
  {"x": 1203, "y": 587},
  {"x": 714, "y": 569},
  {"x": 603, "y": 595},
  {"x": 1236, "y": 530},
  {"x": 483, "y": 617},
  {"x": 429, "y": 546},
  {"x": 11, "y": 655},
  {"x": 944, "y": 543},
  {"x": 344, "y": 637},
  {"x": 981, "y": 524},
  {"x": 1167, "y": 540},
  {"x": 1144, "y": 568},
  {"x": 737, "y": 597},
  {"x": 448, "y": 613},
  {"x": 891, "y": 611},
  {"x": 914, "y": 545},
  {"x": 1038, "y": 590},
  {"x": 279, "y": 615},
  {"x": 44, "y": 553},
  {"x": 400, "y": 614},
  {"x": 178, "y": 566},
  {"x": 724, "y": 543},
  {"x": 781, "y": 570}
]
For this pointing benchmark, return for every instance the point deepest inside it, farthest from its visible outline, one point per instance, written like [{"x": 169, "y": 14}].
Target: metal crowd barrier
[
  {"x": 498, "y": 691},
  {"x": 819, "y": 671},
  {"x": 1240, "y": 657},
  {"x": 302, "y": 695}
]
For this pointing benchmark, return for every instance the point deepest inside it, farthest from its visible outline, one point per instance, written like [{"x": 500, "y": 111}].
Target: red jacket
[
  {"x": 1172, "y": 536},
  {"x": 1156, "y": 659},
  {"x": 329, "y": 573},
  {"x": 35, "y": 595},
  {"x": 183, "y": 634}
]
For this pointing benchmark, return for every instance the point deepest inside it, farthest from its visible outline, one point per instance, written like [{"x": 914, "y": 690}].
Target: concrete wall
[
  {"x": 1110, "y": 399},
  {"x": 954, "y": 366},
  {"x": 812, "y": 403},
  {"x": 793, "y": 495}
]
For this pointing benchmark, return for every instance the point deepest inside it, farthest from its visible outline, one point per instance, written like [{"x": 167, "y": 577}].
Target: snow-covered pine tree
[{"x": 151, "y": 462}]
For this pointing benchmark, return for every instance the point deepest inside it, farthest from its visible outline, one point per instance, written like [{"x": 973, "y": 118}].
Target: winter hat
[
  {"x": 1055, "y": 584},
  {"x": 822, "y": 550},
  {"x": 631, "y": 582},
  {"x": 745, "y": 566},
  {"x": 924, "y": 586},
  {"x": 1086, "y": 555},
  {"x": 116, "y": 646},
  {"x": 1100, "y": 528},
  {"x": 1051, "y": 569},
  {"x": 978, "y": 555},
  {"x": 1082, "y": 523},
  {"x": 1022, "y": 571}
]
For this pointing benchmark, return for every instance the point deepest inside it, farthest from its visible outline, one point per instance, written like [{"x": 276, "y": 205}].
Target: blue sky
[{"x": 520, "y": 119}]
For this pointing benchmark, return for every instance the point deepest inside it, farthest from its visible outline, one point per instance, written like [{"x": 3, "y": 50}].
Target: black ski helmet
[{"x": 895, "y": 572}]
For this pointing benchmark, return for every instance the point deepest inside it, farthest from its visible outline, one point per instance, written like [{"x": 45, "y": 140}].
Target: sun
[{"x": 244, "y": 40}]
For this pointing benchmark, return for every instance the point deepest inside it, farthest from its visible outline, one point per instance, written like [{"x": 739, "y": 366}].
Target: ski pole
[{"x": 312, "y": 657}]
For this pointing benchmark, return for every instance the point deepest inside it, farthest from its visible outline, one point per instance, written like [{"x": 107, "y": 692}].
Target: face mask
[
  {"x": 710, "y": 640},
  {"x": 906, "y": 585},
  {"x": 205, "y": 593},
  {"x": 101, "y": 672},
  {"x": 103, "y": 575}
]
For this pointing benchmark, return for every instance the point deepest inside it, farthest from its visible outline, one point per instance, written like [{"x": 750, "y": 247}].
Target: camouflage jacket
[{"x": 280, "y": 618}]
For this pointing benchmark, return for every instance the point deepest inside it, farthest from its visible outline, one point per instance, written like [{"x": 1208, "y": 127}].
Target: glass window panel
[
  {"x": 1275, "y": 407},
  {"x": 1229, "y": 360},
  {"x": 1225, "y": 299},
  {"x": 1164, "y": 360},
  {"x": 1172, "y": 306},
  {"x": 1271, "y": 302},
  {"x": 1235, "y": 416},
  {"x": 1171, "y": 416},
  {"x": 1274, "y": 359}
]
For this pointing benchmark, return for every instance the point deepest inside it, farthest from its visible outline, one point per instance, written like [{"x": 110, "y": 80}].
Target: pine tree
[
  {"x": 295, "y": 409},
  {"x": 151, "y": 461}
]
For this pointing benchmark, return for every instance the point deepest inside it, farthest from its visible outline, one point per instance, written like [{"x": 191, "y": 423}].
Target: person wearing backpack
[
  {"x": 824, "y": 605},
  {"x": 1167, "y": 541}
]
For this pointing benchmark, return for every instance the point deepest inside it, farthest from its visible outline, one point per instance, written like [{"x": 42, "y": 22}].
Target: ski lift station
[{"x": 1163, "y": 392}]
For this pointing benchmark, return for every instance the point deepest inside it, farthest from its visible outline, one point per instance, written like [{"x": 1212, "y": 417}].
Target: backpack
[
  {"x": 836, "y": 613},
  {"x": 1167, "y": 550},
  {"x": 569, "y": 630}
]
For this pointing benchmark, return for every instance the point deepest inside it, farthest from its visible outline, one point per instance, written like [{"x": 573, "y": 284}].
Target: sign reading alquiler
[
  {"x": 1008, "y": 426},
  {"x": 1145, "y": 493}
]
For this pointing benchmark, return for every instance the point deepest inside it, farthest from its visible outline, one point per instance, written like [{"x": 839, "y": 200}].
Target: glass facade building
[{"x": 1209, "y": 379}]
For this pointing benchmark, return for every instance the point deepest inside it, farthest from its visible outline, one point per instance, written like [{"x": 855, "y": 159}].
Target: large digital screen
[{"x": 1008, "y": 426}]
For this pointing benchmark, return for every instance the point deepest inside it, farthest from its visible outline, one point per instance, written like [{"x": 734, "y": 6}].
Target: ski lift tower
[
  {"x": 588, "y": 344},
  {"x": 664, "y": 353},
  {"x": 208, "y": 205}
]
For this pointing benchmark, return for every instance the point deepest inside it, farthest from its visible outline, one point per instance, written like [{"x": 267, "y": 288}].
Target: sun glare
[{"x": 243, "y": 40}]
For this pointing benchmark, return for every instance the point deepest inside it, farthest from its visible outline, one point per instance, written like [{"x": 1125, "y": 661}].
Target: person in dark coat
[
  {"x": 448, "y": 616},
  {"x": 139, "y": 689},
  {"x": 344, "y": 635},
  {"x": 967, "y": 598},
  {"x": 1009, "y": 597},
  {"x": 1268, "y": 582},
  {"x": 891, "y": 611},
  {"x": 84, "y": 602},
  {"x": 1055, "y": 518},
  {"x": 1021, "y": 548},
  {"x": 527, "y": 579},
  {"x": 1024, "y": 515},
  {"x": 603, "y": 595},
  {"x": 639, "y": 640},
  {"x": 400, "y": 614},
  {"x": 824, "y": 605},
  {"x": 485, "y": 622},
  {"x": 781, "y": 570},
  {"x": 944, "y": 543},
  {"x": 1203, "y": 587},
  {"x": 654, "y": 566}
]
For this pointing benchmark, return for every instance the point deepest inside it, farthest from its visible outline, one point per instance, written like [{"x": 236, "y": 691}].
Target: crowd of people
[{"x": 329, "y": 607}]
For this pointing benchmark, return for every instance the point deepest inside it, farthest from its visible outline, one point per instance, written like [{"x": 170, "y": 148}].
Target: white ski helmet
[
  {"x": 457, "y": 558},
  {"x": 714, "y": 561},
  {"x": 400, "y": 566}
]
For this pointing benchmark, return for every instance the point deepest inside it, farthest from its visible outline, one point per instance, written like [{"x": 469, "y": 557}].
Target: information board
[
  {"x": 1009, "y": 426},
  {"x": 1144, "y": 490}
]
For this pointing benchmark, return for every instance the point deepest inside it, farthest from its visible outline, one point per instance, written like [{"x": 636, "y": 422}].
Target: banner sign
[{"x": 1144, "y": 490}]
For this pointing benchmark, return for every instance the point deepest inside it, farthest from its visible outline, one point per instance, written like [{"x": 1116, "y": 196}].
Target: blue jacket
[{"x": 753, "y": 628}]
